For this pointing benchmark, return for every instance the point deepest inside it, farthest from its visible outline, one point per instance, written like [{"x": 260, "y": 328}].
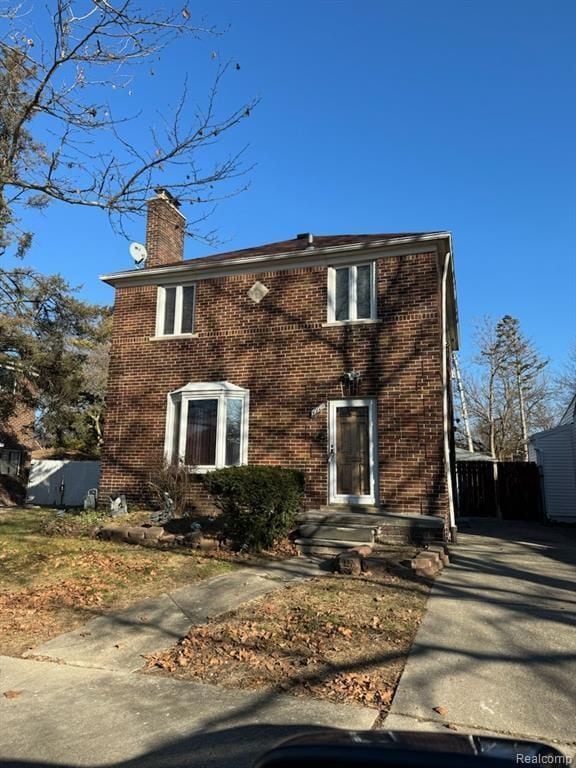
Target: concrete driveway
[{"x": 497, "y": 648}]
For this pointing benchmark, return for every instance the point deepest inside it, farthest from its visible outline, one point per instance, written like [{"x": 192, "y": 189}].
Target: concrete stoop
[{"x": 330, "y": 530}]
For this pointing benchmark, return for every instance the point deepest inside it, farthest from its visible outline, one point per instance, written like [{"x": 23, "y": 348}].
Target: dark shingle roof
[{"x": 301, "y": 244}]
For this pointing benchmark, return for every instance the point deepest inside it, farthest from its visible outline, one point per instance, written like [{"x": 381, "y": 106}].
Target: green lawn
[{"x": 52, "y": 584}]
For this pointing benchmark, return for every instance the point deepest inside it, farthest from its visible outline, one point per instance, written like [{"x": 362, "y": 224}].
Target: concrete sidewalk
[
  {"x": 92, "y": 717},
  {"x": 76, "y": 701},
  {"x": 119, "y": 641},
  {"x": 497, "y": 647}
]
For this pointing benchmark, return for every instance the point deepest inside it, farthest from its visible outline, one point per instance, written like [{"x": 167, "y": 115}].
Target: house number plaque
[{"x": 317, "y": 410}]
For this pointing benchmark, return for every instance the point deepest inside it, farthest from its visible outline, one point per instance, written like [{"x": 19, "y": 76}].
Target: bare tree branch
[
  {"x": 57, "y": 101},
  {"x": 566, "y": 379}
]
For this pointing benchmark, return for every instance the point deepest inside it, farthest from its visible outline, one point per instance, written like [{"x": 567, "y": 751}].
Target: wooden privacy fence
[{"x": 506, "y": 489}]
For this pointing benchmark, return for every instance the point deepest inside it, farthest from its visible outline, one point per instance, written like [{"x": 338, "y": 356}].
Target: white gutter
[{"x": 445, "y": 410}]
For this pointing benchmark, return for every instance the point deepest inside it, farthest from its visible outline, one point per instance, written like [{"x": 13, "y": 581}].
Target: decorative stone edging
[
  {"x": 155, "y": 536},
  {"x": 427, "y": 564}
]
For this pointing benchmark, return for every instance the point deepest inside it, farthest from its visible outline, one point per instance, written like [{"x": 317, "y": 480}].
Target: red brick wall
[
  {"x": 280, "y": 351},
  {"x": 17, "y": 431}
]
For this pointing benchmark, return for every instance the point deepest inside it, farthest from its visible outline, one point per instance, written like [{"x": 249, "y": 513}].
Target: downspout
[{"x": 451, "y": 515}]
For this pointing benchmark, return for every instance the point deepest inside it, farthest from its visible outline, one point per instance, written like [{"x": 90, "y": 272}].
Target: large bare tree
[
  {"x": 67, "y": 72},
  {"x": 66, "y": 114}
]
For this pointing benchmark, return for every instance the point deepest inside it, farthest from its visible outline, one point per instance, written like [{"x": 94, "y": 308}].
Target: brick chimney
[{"x": 165, "y": 228}]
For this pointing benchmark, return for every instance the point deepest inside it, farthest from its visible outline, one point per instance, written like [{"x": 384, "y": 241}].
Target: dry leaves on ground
[
  {"x": 12, "y": 694},
  {"x": 328, "y": 638},
  {"x": 51, "y": 585}
]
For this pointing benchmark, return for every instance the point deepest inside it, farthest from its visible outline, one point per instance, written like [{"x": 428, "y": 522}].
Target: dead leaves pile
[
  {"x": 59, "y": 601},
  {"x": 85, "y": 590},
  {"x": 347, "y": 646},
  {"x": 28, "y": 616},
  {"x": 68, "y": 593},
  {"x": 51, "y": 585}
]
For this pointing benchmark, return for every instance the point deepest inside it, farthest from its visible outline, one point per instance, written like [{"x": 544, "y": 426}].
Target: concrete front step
[
  {"x": 358, "y": 534},
  {"x": 341, "y": 519},
  {"x": 324, "y": 547},
  {"x": 349, "y": 518},
  {"x": 329, "y": 529}
]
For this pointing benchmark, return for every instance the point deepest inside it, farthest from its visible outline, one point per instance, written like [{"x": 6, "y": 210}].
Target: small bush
[
  {"x": 259, "y": 504},
  {"x": 173, "y": 479}
]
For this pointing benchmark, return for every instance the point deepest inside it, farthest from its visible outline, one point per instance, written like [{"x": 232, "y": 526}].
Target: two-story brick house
[{"x": 325, "y": 353}]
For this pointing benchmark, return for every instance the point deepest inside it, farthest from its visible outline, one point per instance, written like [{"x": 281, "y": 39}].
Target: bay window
[{"x": 207, "y": 425}]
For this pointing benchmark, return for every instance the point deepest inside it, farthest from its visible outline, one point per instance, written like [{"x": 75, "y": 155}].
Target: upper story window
[
  {"x": 175, "y": 310},
  {"x": 207, "y": 425},
  {"x": 352, "y": 293}
]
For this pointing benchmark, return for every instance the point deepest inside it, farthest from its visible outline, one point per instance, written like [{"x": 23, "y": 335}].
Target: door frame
[{"x": 333, "y": 405}]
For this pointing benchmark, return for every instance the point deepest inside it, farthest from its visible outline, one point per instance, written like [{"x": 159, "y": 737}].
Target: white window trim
[
  {"x": 221, "y": 391},
  {"x": 161, "y": 307},
  {"x": 173, "y": 336},
  {"x": 351, "y": 294},
  {"x": 362, "y": 321}
]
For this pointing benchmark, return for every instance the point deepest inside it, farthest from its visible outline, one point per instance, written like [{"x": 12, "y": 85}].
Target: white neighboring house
[{"x": 554, "y": 450}]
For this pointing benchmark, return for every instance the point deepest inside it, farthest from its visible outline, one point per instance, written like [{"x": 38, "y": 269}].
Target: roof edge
[{"x": 128, "y": 276}]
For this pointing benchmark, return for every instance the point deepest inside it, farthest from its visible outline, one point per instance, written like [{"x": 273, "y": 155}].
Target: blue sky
[{"x": 383, "y": 116}]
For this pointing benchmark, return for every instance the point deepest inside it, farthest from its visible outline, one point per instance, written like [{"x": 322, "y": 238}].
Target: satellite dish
[{"x": 138, "y": 253}]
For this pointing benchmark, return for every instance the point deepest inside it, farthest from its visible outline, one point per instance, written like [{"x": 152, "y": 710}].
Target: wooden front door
[{"x": 352, "y": 470}]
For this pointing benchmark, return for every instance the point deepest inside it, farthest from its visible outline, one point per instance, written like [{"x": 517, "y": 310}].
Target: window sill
[
  {"x": 168, "y": 337},
  {"x": 202, "y": 470},
  {"x": 365, "y": 321}
]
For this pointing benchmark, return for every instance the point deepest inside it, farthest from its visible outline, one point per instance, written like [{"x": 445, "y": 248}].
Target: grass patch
[
  {"x": 51, "y": 584},
  {"x": 336, "y": 637}
]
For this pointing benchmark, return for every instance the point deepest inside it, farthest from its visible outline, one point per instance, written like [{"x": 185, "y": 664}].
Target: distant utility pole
[{"x": 456, "y": 369}]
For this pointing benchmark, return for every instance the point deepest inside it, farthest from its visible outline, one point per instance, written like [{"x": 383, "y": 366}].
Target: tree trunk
[{"x": 491, "y": 417}]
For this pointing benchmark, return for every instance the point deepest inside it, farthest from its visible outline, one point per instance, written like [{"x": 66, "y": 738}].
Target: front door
[{"x": 351, "y": 461}]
